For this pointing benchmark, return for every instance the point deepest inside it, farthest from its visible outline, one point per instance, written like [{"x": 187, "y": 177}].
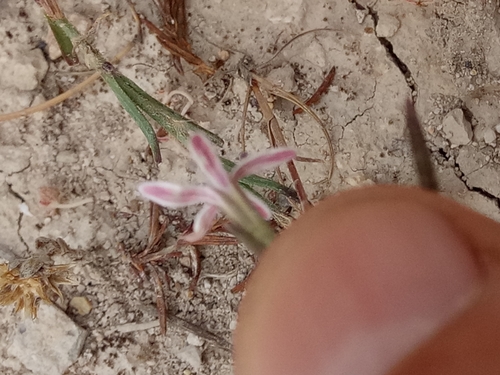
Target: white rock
[
  {"x": 194, "y": 340},
  {"x": 490, "y": 136},
  {"x": 497, "y": 128},
  {"x": 456, "y": 128},
  {"x": 361, "y": 15},
  {"x": 232, "y": 324},
  {"x": 283, "y": 77},
  {"x": 191, "y": 355},
  {"x": 22, "y": 69},
  {"x": 387, "y": 26},
  {"x": 48, "y": 345}
]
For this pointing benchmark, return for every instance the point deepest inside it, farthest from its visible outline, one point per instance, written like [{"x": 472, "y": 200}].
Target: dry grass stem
[
  {"x": 173, "y": 36},
  {"x": 273, "y": 89},
  {"x": 277, "y": 139}
]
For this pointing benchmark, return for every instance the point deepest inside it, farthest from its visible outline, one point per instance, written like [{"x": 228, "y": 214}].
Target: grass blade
[
  {"x": 173, "y": 122},
  {"x": 109, "y": 75},
  {"x": 63, "y": 40}
]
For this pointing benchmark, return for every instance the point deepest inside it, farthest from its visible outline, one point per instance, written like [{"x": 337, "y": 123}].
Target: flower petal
[
  {"x": 261, "y": 207},
  {"x": 202, "y": 223},
  {"x": 174, "y": 196},
  {"x": 208, "y": 161},
  {"x": 264, "y": 160}
]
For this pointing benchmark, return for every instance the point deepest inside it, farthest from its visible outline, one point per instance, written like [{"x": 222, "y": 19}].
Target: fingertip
[{"x": 352, "y": 289}]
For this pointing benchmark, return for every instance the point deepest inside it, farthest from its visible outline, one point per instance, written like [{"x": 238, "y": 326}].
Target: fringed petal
[
  {"x": 202, "y": 223},
  {"x": 208, "y": 161},
  {"x": 262, "y": 161},
  {"x": 175, "y": 196}
]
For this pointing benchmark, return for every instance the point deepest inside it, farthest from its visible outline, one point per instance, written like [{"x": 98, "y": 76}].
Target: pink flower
[{"x": 222, "y": 192}]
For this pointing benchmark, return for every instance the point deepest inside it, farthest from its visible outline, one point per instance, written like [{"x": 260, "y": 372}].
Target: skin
[{"x": 379, "y": 280}]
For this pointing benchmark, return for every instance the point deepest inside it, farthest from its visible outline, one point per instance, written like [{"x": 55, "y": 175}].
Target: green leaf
[
  {"x": 63, "y": 32},
  {"x": 109, "y": 74},
  {"x": 174, "y": 123}
]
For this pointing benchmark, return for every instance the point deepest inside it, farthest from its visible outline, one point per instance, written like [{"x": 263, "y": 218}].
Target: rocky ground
[{"x": 443, "y": 53}]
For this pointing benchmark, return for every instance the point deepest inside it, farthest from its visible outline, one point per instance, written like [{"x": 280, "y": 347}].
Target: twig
[
  {"x": 74, "y": 204},
  {"x": 263, "y": 65},
  {"x": 327, "y": 81},
  {"x": 242, "y": 132},
  {"x": 273, "y": 89},
  {"x": 161, "y": 305},
  {"x": 178, "y": 48},
  {"x": 280, "y": 141}
]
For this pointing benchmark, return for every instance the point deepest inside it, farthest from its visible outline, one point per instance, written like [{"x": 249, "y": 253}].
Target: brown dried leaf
[
  {"x": 173, "y": 35},
  {"x": 51, "y": 9}
]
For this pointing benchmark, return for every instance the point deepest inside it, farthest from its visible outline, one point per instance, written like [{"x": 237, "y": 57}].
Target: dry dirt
[{"x": 444, "y": 53}]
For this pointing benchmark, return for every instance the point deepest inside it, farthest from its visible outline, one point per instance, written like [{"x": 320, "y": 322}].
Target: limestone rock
[
  {"x": 456, "y": 128},
  {"x": 194, "y": 340},
  {"x": 490, "y": 136},
  {"x": 387, "y": 26},
  {"x": 48, "y": 345},
  {"x": 23, "y": 70},
  {"x": 283, "y": 77}
]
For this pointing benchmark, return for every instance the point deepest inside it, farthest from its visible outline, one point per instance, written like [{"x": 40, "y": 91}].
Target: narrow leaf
[
  {"x": 109, "y": 74},
  {"x": 173, "y": 122},
  {"x": 60, "y": 30}
]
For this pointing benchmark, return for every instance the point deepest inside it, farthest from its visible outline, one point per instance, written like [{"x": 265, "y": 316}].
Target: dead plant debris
[{"x": 25, "y": 282}]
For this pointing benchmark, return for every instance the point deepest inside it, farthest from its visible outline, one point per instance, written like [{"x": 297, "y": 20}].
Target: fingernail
[{"x": 374, "y": 284}]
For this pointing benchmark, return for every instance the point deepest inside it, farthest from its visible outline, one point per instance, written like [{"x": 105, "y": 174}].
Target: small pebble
[
  {"x": 490, "y": 136},
  {"x": 387, "y": 26},
  {"x": 456, "y": 128},
  {"x": 194, "y": 340},
  {"x": 81, "y": 304}
]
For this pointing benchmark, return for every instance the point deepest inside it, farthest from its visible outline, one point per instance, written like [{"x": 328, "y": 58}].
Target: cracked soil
[{"x": 443, "y": 53}]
